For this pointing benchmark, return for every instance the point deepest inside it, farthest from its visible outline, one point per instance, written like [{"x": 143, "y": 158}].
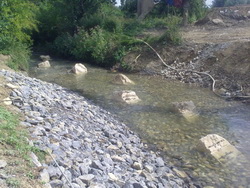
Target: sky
[{"x": 208, "y": 2}]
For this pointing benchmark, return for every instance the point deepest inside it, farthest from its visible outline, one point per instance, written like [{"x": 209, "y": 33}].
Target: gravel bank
[{"x": 91, "y": 147}]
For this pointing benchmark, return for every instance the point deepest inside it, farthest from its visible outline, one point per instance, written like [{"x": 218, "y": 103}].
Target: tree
[{"x": 17, "y": 20}]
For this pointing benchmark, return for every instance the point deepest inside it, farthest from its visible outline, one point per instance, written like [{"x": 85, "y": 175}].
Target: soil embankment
[{"x": 219, "y": 45}]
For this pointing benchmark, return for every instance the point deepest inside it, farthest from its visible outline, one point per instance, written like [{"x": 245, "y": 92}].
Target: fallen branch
[
  {"x": 137, "y": 58},
  {"x": 193, "y": 71}
]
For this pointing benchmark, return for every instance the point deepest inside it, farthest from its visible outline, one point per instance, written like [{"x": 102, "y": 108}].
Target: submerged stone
[
  {"x": 219, "y": 148},
  {"x": 122, "y": 80}
]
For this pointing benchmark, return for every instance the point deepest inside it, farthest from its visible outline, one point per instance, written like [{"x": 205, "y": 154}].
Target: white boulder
[
  {"x": 45, "y": 64},
  {"x": 219, "y": 148},
  {"x": 122, "y": 80},
  {"x": 127, "y": 96},
  {"x": 79, "y": 69},
  {"x": 218, "y": 22}
]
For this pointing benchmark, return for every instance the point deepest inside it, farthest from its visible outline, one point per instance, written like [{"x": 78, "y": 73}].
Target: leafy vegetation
[
  {"x": 93, "y": 31},
  {"x": 12, "y": 135},
  {"x": 17, "y": 20}
]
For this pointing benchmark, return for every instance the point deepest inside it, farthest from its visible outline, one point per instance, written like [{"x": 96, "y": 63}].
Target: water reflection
[{"x": 158, "y": 125}]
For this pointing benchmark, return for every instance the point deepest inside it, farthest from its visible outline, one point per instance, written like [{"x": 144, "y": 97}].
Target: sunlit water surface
[{"x": 168, "y": 132}]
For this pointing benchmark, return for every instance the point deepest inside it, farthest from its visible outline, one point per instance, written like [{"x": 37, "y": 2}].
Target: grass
[
  {"x": 13, "y": 135},
  {"x": 12, "y": 182}
]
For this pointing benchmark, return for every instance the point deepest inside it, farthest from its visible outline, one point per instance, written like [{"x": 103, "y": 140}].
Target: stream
[{"x": 163, "y": 130}]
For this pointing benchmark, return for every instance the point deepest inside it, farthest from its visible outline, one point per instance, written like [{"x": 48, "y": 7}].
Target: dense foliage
[
  {"x": 17, "y": 20},
  {"x": 225, "y": 3},
  {"x": 94, "y": 31}
]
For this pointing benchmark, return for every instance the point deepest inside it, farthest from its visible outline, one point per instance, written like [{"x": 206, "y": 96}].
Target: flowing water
[{"x": 168, "y": 132}]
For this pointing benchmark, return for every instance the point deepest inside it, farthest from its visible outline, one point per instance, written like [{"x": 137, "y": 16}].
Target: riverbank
[
  {"x": 90, "y": 146},
  {"x": 214, "y": 54}
]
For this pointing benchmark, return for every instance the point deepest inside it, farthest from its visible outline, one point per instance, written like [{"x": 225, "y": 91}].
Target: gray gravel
[{"x": 92, "y": 148}]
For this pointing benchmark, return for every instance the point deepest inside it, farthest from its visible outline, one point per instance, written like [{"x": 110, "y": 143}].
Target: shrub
[
  {"x": 94, "y": 46},
  {"x": 63, "y": 45},
  {"x": 172, "y": 34},
  {"x": 20, "y": 56},
  {"x": 18, "y": 51},
  {"x": 107, "y": 17}
]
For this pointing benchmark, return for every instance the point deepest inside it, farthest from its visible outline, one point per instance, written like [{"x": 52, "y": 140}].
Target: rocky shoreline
[{"x": 90, "y": 147}]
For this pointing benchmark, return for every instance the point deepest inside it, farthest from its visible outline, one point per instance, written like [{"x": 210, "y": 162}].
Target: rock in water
[
  {"x": 79, "y": 69},
  {"x": 218, "y": 22},
  {"x": 187, "y": 109},
  {"x": 126, "y": 96},
  {"x": 44, "y": 64},
  {"x": 122, "y": 80},
  {"x": 45, "y": 57},
  {"x": 219, "y": 148}
]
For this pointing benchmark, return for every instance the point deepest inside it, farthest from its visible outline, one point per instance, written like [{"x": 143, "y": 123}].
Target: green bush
[
  {"x": 132, "y": 27},
  {"x": 18, "y": 51},
  {"x": 63, "y": 45},
  {"x": 172, "y": 34},
  {"x": 20, "y": 56},
  {"x": 93, "y": 46},
  {"x": 107, "y": 17}
]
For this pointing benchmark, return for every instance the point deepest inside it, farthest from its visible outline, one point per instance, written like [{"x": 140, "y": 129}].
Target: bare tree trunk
[
  {"x": 185, "y": 12},
  {"x": 144, "y": 7}
]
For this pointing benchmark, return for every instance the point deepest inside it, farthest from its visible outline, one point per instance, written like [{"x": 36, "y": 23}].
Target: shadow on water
[{"x": 157, "y": 125}]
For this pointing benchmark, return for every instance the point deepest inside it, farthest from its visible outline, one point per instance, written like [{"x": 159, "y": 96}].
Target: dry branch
[{"x": 193, "y": 71}]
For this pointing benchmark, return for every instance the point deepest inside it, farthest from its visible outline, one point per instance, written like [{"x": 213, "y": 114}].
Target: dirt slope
[{"x": 219, "y": 45}]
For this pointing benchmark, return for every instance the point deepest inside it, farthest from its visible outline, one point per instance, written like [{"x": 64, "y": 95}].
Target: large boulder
[
  {"x": 126, "y": 96},
  {"x": 122, "y": 79},
  {"x": 187, "y": 109},
  {"x": 45, "y": 57},
  {"x": 219, "y": 148},
  {"x": 45, "y": 64},
  {"x": 218, "y": 21},
  {"x": 79, "y": 69}
]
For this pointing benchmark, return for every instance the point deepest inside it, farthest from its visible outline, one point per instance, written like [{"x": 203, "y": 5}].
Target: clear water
[{"x": 168, "y": 132}]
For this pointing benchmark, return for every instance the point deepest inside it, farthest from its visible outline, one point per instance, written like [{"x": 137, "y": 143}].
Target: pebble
[{"x": 92, "y": 148}]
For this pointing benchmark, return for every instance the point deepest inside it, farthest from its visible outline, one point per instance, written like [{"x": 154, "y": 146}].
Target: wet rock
[
  {"x": 180, "y": 173},
  {"x": 122, "y": 80},
  {"x": 126, "y": 96},
  {"x": 187, "y": 109},
  {"x": 79, "y": 69},
  {"x": 218, "y": 21},
  {"x": 44, "y": 64},
  {"x": 219, "y": 148}
]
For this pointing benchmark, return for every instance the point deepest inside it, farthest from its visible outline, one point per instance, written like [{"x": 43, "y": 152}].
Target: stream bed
[{"x": 163, "y": 130}]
